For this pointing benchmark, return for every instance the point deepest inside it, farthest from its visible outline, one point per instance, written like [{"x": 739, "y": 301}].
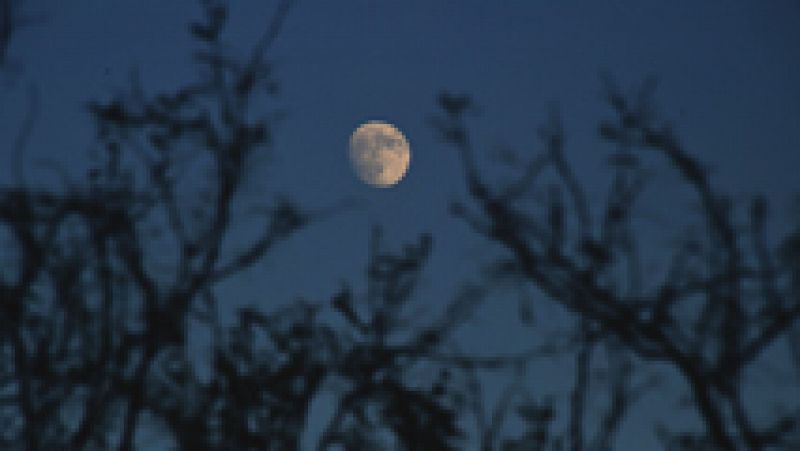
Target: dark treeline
[{"x": 103, "y": 278}]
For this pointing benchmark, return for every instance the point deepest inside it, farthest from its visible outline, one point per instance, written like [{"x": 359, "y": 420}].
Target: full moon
[{"x": 380, "y": 153}]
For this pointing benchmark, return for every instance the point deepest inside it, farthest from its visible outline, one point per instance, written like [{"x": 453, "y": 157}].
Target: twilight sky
[{"x": 728, "y": 80}]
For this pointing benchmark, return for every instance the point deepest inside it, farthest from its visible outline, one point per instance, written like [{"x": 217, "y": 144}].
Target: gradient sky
[{"x": 728, "y": 74}]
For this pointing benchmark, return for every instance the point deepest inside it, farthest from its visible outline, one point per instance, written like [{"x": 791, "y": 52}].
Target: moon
[{"x": 380, "y": 153}]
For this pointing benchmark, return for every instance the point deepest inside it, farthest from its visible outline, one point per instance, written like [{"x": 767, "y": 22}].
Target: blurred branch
[{"x": 575, "y": 270}]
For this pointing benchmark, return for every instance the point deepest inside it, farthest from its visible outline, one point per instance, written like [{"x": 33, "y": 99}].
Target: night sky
[{"x": 728, "y": 81}]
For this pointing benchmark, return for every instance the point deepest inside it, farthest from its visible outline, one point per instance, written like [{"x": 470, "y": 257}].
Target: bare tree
[
  {"x": 102, "y": 277},
  {"x": 725, "y": 298},
  {"x": 89, "y": 316}
]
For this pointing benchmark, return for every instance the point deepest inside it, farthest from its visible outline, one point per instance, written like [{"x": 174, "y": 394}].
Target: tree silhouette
[
  {"x": 105, "y": 278},
  {"x": 90, "y": 317},
  {"x": 727, "y": 297}
]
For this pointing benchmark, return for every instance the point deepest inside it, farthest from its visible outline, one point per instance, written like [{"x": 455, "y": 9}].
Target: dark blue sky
[{"x": 728, "y": 76}]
